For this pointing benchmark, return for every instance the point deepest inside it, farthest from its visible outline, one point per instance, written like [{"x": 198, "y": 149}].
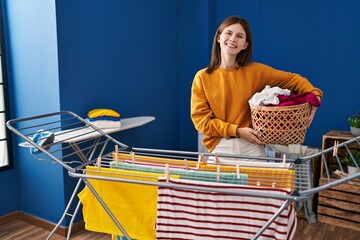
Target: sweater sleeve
[
  {"x": 294, "y": 82},
  {"x": 202, "y": 115}
]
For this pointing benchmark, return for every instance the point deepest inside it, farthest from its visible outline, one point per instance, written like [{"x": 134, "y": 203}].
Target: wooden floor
[{"x": 20, "y": 230}]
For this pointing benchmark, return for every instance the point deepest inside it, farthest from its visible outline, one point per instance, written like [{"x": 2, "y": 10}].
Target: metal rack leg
[
  {"x": 309, "y": 213},
  {"x": 272, "y": 219},
  {"x": 66, "y": 213},
  {"x": 72, "y": 220},
  {"x": 111, "y": 215}
]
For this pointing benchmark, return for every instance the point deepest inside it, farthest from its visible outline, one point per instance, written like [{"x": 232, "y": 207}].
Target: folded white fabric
[
  {"x": 268, "y": 96},
  {"x": 105, "y": 124}
]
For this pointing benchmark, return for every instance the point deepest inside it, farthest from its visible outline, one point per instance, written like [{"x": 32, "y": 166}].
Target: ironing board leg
[{"x": 66, "y": 212}]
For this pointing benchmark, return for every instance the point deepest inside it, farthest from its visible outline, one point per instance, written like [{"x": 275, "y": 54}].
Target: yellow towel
[
  {"x": 133, "y": 205},
  {"x": 100, "y": 112}
]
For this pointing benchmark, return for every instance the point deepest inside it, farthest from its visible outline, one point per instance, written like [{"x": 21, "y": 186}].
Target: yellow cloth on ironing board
[
  {"x": 100, "y": 112},
  {"x": 267, "y": 177},
  {"x": 133, "y": 205}
]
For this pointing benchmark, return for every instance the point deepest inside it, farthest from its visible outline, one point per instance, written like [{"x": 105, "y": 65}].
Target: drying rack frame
[{"x": 76, "y": 138}]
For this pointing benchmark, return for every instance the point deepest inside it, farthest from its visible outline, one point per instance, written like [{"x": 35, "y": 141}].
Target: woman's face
[{"x": 232, "y": 39}]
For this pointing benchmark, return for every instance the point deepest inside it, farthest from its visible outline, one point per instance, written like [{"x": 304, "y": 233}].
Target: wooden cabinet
[{"x": 339, "y": 205}]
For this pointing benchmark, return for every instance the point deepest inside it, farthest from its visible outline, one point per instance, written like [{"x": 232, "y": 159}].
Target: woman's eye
[{"x": 239, "y": 36}]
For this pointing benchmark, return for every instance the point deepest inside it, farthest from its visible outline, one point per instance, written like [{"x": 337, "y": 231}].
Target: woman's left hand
[{"x": 312, "y": 113}]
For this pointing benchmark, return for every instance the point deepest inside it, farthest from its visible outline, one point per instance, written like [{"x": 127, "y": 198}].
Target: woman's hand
[
  {"x": 249, "y": 135},
  {"x": 312, "y": 113}
]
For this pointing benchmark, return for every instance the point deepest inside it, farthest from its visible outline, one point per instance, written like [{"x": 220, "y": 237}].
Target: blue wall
[
  {"x": 9, "y": 203},
  {"x": 139, "y": 57},
  {"x": 317, "y": 39},
  {"x": 122, "y": 55},
  {"x": 34, "y": 89}
]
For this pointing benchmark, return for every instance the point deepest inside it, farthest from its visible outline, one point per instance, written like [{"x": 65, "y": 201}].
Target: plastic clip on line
[
  {"x": 297, "y": 161},
  {"x": 295, "y": 193}
]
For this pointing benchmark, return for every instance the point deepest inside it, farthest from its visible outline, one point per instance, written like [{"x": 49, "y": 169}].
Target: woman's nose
[{"x": 233, "y": 38}]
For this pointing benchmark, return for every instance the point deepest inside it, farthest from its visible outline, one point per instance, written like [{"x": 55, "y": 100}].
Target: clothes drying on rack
[
  {"x": 266, "y": 177},
  {"x": 272, "y": 175},
  {"x": 137, "y": 191},
  {"x": 124, "y": 206},
  {"x": 201, "y": 215},
  {"x": 133, "y": 205},
  {"x": 194, "y": 175}
]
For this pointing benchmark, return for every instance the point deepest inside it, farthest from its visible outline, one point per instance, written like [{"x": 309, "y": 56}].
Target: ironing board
[
  {"x": 81, "y": 133},
  {"x": 75, "y": 135}
]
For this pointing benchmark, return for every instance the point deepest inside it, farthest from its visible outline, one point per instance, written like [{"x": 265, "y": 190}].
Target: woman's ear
[{"x": 245, "y": 45}]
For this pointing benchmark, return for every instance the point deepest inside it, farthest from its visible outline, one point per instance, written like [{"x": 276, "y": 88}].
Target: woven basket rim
[{"x": 277, "y": 108}]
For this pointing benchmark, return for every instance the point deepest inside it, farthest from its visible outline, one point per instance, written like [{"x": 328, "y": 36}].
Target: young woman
[{"x": 220, "y": 92}]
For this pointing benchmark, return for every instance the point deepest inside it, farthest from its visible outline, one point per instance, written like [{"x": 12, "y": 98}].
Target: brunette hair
[{"x": 244, "y": 57}]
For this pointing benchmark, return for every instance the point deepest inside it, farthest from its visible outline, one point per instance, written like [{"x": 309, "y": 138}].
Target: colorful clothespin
[
  {"x": 336, "y": 146},
  {"x": 199, "y": 161},
  {"x": 203, "y": 159},
  {"x": 284, "y": 161},
  {"x": 167, "y": 172},
  {"x": 116, "y": 155},
  {"x": 216, "y": 158},
  {"x": 186, "y": 164},
  {"x": 132, "y": 157},
  {"x": 238, "y": 171},
  {"x": 98, "y": 163}
]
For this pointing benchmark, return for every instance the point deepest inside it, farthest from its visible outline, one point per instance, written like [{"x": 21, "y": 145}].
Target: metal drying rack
[{"x": 77, "y": 144}]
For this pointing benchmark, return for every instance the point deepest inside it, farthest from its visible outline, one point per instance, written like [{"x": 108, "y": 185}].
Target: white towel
[
  {"x": 103, "y": 124},
  {"x": 268, "y": 96}
]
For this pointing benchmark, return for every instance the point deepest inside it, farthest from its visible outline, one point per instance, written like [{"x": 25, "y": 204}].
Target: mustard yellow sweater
[{"x": 219, "y": 101}]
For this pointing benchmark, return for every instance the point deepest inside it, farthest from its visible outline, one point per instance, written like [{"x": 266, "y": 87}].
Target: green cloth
[{"x": 185, "y": 174}]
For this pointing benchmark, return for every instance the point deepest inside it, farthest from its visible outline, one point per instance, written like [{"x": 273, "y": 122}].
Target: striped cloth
[{"x": 194, "y": 214}]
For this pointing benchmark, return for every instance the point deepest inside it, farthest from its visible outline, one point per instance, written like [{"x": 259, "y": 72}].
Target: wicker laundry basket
[{"x": 281, "y": 125}]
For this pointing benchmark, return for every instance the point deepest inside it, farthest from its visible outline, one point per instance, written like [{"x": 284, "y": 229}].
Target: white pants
[{"x": 239, "y": 146}]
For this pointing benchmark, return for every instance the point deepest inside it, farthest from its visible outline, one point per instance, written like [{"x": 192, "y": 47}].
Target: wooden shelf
[
  {"x": 329, "y": 141},
  {"x": 339, "y": 205}
]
